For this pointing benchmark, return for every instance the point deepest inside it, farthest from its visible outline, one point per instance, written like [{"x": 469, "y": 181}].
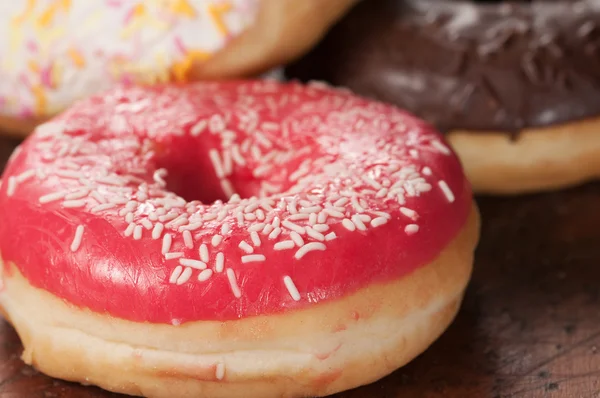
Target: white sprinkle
[
  {"x": 70, "y": 204},
  {"x": 158, "y": 230},
  {"x": 51, "y": 197},
  {"x": 284, "y": 245},
  {"x": 262, "y": 139},
  {"x": 382, "y": 214},
  {"x": 175, "y": 274},
  {"x": 291, "y": 207},
  {"x": 379, "y": 221},
  {"x": 426, "y": 170},
  {"x": 220, "y": 262},
  {"x": 110, "y": 180},
  {"x": 102, "y": 207},
  {"x": 187, "y": 239},
  {"x": 173, "y": 255},
  {"x": 129, "y": 229},
  {"x": 260, "y": 215},
  {"x": 256, "y": 227},
  {"x": 276, "y": 222},
  {"x": 349, "y": 225},
  {"x": 185, "y": 276},
  {"x": 240, "y": 218},
  {"x": 255, "y": 238},
  {"x": 411, "y": 229},
  {"x": 311, "y": 209},
  {"x": 167, "y": 217},
  {"x": 198, "y": 128},
  {"x": 356, "y": 204},
  {"x": 146, "y": 223},
  {"x": 291, "y": 287},
  {"x": 446, "y": 190},
  {"x": 330, "y": 236},
  {"x": 322, "y": 217},
  {"x": 209, "y": 216},
  {"x": 414, "y": 153},
  {"x": 358, "y": 222},
  {"x": 227, "y": 188},
  {"x": 298, "y": 216},
  {"x": 441, "y": 147},
  {"x": 166, "y": 243},
  {"x": 188, "y": 262},
  {"x": 267, "y": 229},
  {"x": 216, "y": 240},
  {"x": 214, "y": 157},
  {"x": 381, "y": 193},
  {"x": 237, "y": 156},
  {"x": 203, "y": 253},
  {"x": 409, "y": 213},
  {"x": 191, "y": 227},
  {"x": 308, "y": 248},
  {"x": 320, "y": 227},
  {"x": 205, "y": 275},
  {"x": 77, "y": 239},
  {"x": 251, "y": 258},
  {"x": 314, "y": 234},
  {"x": 249, "y": 217},
  {"x": 179, "y": 221},
  {"x": 364, "y": 217},
  {"x": 137, "y": 232},
  {"x": 293, "y": 227},
  {"x": 334, "y": 213},
  {"x": 275, "y": 233},
  {"x": 225, "y": 228},
  {"x": 372, "y": 182},
  {"x": 78, "y": 194},
  {"x": 340, "y": 202},
  {"x": 233, "y": 283},
  {"x": 220, "y": 371},
  {"x": 297, "y": 239},
  {"x": 129, "y": 217},
  {"x": 246, "y": 247}
]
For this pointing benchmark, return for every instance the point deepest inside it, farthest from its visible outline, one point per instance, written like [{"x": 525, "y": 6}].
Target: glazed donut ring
[
  {"x": 62, "y": 51},
  {"x": 236, "y": 238},
  {"x": 517, "y": 86}
]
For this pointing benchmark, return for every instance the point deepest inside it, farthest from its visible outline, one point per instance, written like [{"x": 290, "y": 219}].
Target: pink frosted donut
[
  {"x": 232, "y": 239},
  {"x": 54, "y": 52}
]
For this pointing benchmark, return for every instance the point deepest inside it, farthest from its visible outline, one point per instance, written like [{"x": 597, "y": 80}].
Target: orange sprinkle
[
  {"x": 181, "y": 69},
  {"x": 216, "y": 12},
  {"x": 77, "y": 58},
  {"x": 183, "y": 7},
  {"x": 19, "y": 19},
  {"x": 33, "y": 66},
  {"x": 139, "y": 10},
  {"x": 41, "y": 102},
  {"x": 47, "y": 16}
]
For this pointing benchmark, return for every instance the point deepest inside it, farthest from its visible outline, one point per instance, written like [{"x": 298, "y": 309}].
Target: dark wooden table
[{"x": 529, "y": 327}]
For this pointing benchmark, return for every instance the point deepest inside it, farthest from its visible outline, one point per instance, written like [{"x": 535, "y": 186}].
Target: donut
[
  {"x": 514, "y": 87},
  {"x": 239, "y": 238},
  {"x": 58, "y": 51}
]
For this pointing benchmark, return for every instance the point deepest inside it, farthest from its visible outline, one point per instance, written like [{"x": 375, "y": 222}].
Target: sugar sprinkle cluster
[{"x": 312, "y": 192}]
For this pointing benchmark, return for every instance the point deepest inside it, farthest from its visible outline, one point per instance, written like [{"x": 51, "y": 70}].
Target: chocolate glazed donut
[{"x": 516, "y": 87}]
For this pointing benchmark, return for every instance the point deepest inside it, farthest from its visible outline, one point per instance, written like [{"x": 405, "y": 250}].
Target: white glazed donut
[{"x": 53, "y": 52}]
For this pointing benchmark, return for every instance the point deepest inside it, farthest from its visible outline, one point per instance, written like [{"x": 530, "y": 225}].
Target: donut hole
[
  {"x": 191, "y": 174},
  {"x": 189, "y": 171}
]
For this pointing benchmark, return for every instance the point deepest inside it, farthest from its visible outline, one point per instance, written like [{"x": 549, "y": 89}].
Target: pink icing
[{"x": 337, "y": 192}]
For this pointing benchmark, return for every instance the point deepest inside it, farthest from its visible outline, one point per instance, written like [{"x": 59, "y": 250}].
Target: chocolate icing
[{"x": 465, "y": 65}]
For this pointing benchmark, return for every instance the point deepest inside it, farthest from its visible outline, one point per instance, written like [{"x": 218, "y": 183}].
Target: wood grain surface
[{"x": 529, "y": 327}]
